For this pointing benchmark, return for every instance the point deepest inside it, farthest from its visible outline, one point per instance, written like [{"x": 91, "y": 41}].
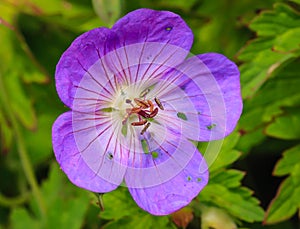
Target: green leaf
[
  {"x": 123, "y": 211},
  {"x": 266, "y": 105},
  {"x": 250, "y": 139},
  {"x": 277, "y": 21},
  {"x": 291, "y": 159},
  {"x": 220, "y": 153},
  {"x": 66, "y": 204},
  {"x": 229, "y": 178},
  {"x": 145, "y": 221},
  {"x": 286, "y": 126},
  {"x": 239, "y": 205},
  {"x": 122, "y": 199},
  {"x": 287, "y": 200},
  {"x": 296, "y": 1},
  {"x": 6, "y": 133},
  {"x": 271, "y": 49},
  {"x": 21, "y": 219},
  {"x": 288, "y": 42}
]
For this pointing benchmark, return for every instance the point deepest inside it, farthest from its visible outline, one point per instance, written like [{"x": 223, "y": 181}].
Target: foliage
[{"x": 262, "y": 36}]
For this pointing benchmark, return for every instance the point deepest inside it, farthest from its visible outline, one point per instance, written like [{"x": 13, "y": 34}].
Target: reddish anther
[
  {"x": 153, "y": 113},
  {"x": 140, "y": 123},
  {"x": 144, "y": 114}
]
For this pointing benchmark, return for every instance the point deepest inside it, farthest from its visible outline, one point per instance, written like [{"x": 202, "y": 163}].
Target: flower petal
[
  {"x": 211, "y": 82},
  {"x": 88, "y": 169},
  {"x": 75, "y": 62},
  {"x": 146, "y": 25},
  {"x": 172, "y": 194},
  {"x": 140, "y": 65}
]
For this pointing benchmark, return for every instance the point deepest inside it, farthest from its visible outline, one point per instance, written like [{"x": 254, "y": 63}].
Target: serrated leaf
[
  {"x": 288, "y": 41},
  {"x": 277, "y": 21},
  {"x": 286, "y": 202},
  {"x": 286, "y": 165},
  {"x": 230, "y": 178},
  {"x": 239, "y": 206},
  {"x": 263, "y": 108},
  {"x": 271, "y": 49},
  {"x": 220, "y": 153},
  {"x": 286, "y": 126},
  {"x": 224, "y": 159},
  {"x": 250, "y": 139}
]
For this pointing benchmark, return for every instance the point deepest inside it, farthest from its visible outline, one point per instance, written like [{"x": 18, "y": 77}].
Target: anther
[
  {"x": 141, "y": 103},
  {"x": 145, "y": 128},
  {"x": 144, "y": 93},
  {"x": 153, "y": 113},
  {"x": 159, "y": 103},
  {"x": 151, "y": 106},
  {"x": 140, "y": 123},
  {"x": 144, "y": 114}
]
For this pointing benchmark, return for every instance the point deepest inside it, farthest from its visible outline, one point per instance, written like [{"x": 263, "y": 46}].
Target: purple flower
[{"x": 137, "y": 102}]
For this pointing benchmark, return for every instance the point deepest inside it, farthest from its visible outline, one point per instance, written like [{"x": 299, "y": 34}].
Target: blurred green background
[{"x": 255, "y": 181}]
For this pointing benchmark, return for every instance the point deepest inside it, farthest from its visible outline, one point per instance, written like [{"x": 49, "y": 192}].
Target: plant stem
[
  {"x": 13, "y": 201},
  {"x": 27, "y": 167}
]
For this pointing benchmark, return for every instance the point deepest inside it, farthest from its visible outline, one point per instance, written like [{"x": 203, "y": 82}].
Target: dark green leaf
[
  {"x": 286, "y": 126},
  {"x": 286, "y": 202},
  {"x": 291, "y": 159},
  {"x": 271, "y": 49},
  {"x": 236, "y": 203}
]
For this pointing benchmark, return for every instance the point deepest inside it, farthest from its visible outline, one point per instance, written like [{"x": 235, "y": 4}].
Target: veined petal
[
  {"x": 146, "y": 25},
  {"x": 142, "y": 64},
  {"x": 76, "y": 150},
  {"x": 174, "y": 193},
  {"x": 75, "y": 62},
  {"x": 211, "y": 82}
]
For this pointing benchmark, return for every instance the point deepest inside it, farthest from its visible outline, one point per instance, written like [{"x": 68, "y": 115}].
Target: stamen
[
  {"x": 159, "y": 103},
  {"x": 144, "y": 114},
  {"x": 144, "y": 109},
  {"x": 145, "y": 128},
  {"x": 151, "y": 105},
  {"x": 153, "y": 113},
  {"x": 141, "y": 103},
  {"x": 144, "y": 93},
  {"x": 140, "y": 123}
]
